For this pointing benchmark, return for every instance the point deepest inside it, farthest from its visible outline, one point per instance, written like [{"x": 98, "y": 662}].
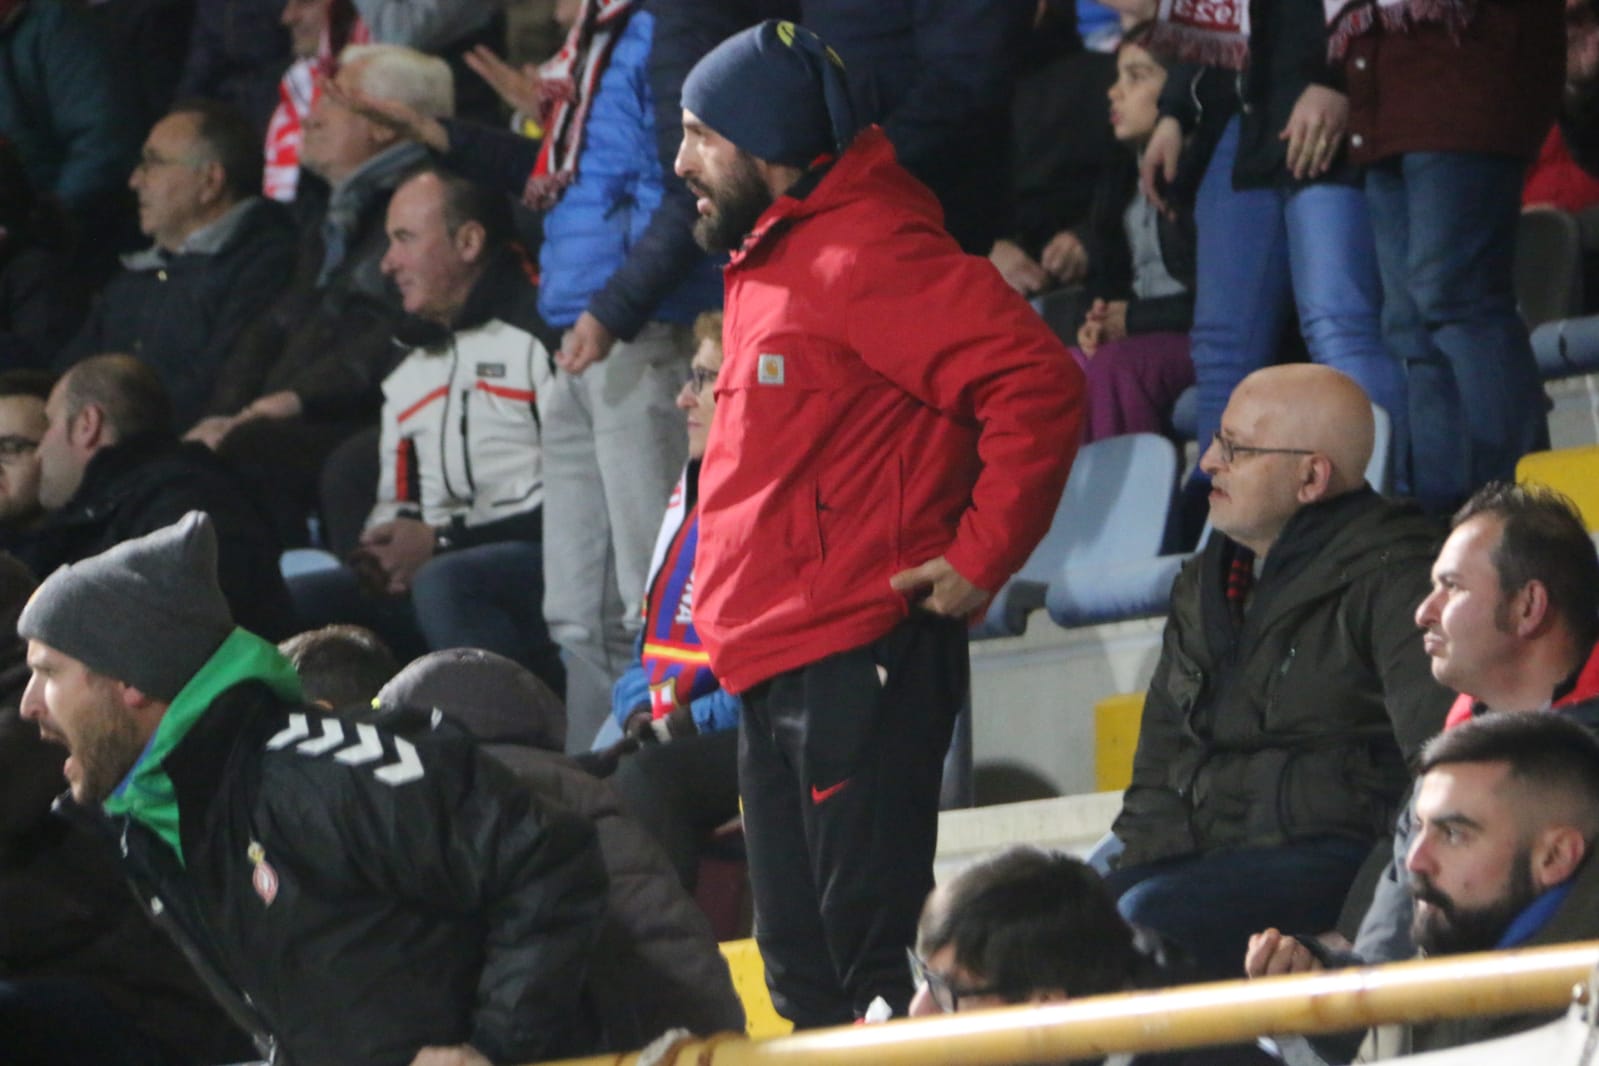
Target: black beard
[
  {"x": 734, "y": 209},
  {"x": 1454, "y": 930}
]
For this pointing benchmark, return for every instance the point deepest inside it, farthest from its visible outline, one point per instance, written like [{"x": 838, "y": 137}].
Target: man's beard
[
  {"x": 1446, "y": 928},
  {"x": 735, "y": 207}
]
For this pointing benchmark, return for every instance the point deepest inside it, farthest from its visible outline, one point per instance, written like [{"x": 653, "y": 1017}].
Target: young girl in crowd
[{"x": 1132, "y": 327}]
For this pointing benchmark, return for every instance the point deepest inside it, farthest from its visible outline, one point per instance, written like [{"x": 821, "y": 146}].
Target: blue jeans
[
  {"x": 1209, "y": 905},
  {"x": 489, "y": 597},
  {"x": 1258, "y": 250},
  {"x": 1446, "y": 242}
]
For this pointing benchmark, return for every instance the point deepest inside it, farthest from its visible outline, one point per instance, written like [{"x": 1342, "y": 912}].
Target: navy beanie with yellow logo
[{"x": 777, "y": 91}]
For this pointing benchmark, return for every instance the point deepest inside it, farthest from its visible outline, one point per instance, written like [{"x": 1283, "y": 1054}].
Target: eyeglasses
[
  {"x": 945, "y": 994},
  {"x": 150, "y": 160},
  {"x": 699, "y": 377},
  {"x": 14, "y": 448},
  {"x": 1230, "y": 451}
]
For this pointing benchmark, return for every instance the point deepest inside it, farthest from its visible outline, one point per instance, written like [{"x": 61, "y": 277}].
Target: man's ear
[
  {"x": 1315, "y": 477},
  {"x": 1529, "y": 609},
  {"x": 88, "y": 429},
  {"x": 214, "y": 183},
  {"x": 470, "y": 240},
  {"x": 1557, "y": 854}
]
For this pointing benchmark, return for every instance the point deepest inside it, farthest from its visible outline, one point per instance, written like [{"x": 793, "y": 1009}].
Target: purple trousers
[{"x": 1133, "y": 384}]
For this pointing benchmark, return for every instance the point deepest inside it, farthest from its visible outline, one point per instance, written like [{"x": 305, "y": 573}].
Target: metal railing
[{"x": 1509, "y": 982}]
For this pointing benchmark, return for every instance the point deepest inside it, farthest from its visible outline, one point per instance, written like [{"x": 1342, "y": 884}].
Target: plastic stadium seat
[
  {"x": 1116, "y": 723},
  {"x": 1548, "y": 267},
  {"x": 1084, "y": 595},
  {"x": 1573, "y": 471},
  {"x": 1114, "y": 510},
  {"x": 761, "y": 1019},
  {"x": 1567, "y": 348}
]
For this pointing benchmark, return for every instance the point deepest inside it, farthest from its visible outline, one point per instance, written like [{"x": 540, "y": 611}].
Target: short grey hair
[{"x": 395, "y": 72}]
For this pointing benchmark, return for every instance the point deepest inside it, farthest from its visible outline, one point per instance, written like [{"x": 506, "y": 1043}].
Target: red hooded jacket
[{"x": 884, "y": 399}]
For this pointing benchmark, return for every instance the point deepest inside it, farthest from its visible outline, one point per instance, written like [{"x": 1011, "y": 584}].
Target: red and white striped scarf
[
  {"x": 1216, "y": 32},
  {"x": 568, "y": 82}
]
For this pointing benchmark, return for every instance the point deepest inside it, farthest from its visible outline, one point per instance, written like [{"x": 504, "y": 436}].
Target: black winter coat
[
  {"x": 437, "y": 905},
  {"x": 182, "y": 314},
  {"x": 146, "y": 483}
]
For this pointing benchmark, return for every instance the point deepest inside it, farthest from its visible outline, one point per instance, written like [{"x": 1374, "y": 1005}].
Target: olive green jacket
[{"x": 1298, "y": 721}]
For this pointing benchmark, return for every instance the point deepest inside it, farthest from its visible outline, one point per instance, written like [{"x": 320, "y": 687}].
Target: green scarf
[{"x": 146, "y": 794}]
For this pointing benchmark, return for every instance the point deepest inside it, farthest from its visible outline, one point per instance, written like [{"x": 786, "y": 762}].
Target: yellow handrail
[{"x": 1507, "y": 982}]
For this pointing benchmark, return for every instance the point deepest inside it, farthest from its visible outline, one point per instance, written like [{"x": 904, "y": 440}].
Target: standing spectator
[
  {"x": 41, "y": 299},
  {"x": 305, "y": 376},
  {"x": 350, "y": 896},
  {"x": 1282, "y": 221},
  {"x": 1557, "y": 179},
  {"x": 940, "y": 75},
  {"x": 64, "y": 111},
  {"x": 1447, "y": 105},
  {"x": 1058, "y": 153},
  {"x": 893, "y": 432},
  {"x": 237, "y": 51},
  {"x": 450, "y": 556},
  {"x": 219, "y": 257},
  {"x": 612, "y": 436}
]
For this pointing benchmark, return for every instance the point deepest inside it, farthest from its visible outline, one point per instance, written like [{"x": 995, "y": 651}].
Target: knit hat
[
  {"x": 148, "y": 612},
  {"x": 775, "y": 90},
  {"x": 495, "y": 699}
]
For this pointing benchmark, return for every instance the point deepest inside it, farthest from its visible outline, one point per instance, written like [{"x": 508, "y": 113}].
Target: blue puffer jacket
[{"x": 590, "y": 231}]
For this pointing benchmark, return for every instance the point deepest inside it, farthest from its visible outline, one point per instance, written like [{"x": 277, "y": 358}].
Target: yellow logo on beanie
[{"x": 785, "y": 33}]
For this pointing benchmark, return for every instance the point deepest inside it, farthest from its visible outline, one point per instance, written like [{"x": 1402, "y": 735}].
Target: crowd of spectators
[{"x": 342, "y": 276}]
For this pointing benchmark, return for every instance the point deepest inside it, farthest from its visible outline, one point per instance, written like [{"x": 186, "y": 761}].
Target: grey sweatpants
[{"x": 614, "y": 444}]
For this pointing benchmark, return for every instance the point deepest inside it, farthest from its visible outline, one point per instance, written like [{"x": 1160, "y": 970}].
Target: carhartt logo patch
[
  {"x": 770, "y": 370},
  {"x": 264, "y": 878}
]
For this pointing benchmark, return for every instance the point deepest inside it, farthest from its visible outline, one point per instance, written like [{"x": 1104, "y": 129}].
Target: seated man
[
  {"x": 656, "y": 966},
  {"x": 221, "y": 254},
  {"x": 22, "y": 397},
  {"x": 1290, "y": 687},
  {"x": 351, "y": 895},
  {"x": 451, "y": 553},
  {"x": 1511, "y": 624},
  {"x": 304, "y": 375},
  {"x": 111, "y": 468},
  {"x": 1032, "y": 926},
  {"x": 683, "y": 782},
  {"x": 1507, "y": 813}
]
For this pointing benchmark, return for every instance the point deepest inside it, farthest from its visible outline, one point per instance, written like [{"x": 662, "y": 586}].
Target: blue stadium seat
[{"x": 1114, "y": 511}]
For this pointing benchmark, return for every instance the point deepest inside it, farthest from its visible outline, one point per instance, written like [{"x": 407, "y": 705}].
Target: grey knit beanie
[
  {"x": 148, "y": 612},
  {"x": 494, "y": 698}
]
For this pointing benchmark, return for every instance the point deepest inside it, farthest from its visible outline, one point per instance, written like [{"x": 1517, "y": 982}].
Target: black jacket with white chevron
[{"x": 353, "y": 897}]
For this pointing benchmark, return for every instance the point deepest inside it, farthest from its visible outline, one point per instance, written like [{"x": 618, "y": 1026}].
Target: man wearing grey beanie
[
  {"x": 894, "y": 427},
  {"x": 349, "y": 895}
]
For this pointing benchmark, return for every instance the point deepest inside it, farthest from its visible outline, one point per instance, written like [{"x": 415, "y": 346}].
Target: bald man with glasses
[{"x": 1290, "y": 690}]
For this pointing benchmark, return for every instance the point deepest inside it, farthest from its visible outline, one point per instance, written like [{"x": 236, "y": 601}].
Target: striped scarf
[
  {"x": 568, "y": 83},
  {"x": 1216, "y": 32}
]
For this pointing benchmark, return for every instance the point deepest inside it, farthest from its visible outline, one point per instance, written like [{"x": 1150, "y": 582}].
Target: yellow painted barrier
[
  {"x": 761, "y": 1019},
  {"x": 1573, "y": 471},
  {"x": 1228, "y": 1012},
  {"x": 1116, "y": 722}
]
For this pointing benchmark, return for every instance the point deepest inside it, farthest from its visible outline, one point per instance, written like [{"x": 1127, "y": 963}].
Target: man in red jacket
[{"x": 893, "y": 430}]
